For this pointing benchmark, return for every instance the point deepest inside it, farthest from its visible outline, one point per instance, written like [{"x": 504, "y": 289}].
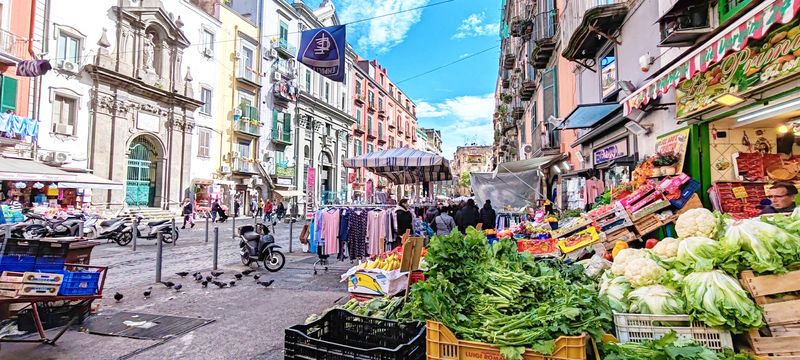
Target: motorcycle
[
  {"x": 37, "y": 226},
  {"x": 257, "y": 244},
  {"x": 148, "y": 230},
  {"x": 111, "y": 229}
]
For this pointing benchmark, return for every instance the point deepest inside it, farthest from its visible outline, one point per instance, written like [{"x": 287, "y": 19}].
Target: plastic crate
[
  {"x": 17, "y": 263},
  {"x": 686, "y": 193},
  {"x": 49, "y": 264},
  {"x": 641, "y": 327},
  {"x": 444, "y": 345},
  {"x": 340, "y": 334},
  {"x": 20, "y": 247},
  {"x": 79, "y": 283}
]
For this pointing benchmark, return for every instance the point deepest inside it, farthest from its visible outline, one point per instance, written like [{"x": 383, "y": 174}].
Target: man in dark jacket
[
  {"x": 488, "y": 216},
  {"x": 467, "y": 216},
  {"x": 431, "y": 214},
  {"x": 403, "y": 221}
]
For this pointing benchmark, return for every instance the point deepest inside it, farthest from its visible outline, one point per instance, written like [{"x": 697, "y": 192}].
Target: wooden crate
[
  {"x": 780, "y": 337},
  {"x": 693, "y": 203},
  {"x": 619, "y": 235},
  {"x": 14, "y": 290},
  {"x": 650, "y": 223}
]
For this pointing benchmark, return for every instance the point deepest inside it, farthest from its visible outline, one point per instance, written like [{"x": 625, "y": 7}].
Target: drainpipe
[{"x": 233, "y": 110}]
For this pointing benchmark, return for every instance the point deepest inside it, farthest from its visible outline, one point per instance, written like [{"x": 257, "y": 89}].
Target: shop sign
[
  {"x": 611, "y": 152},
  {"x": 282, "y": 168},
  {"x": 147, "y": 122},
  {"x": 674, "y": 142},
  {"x": 284, "y": 181},
  {"x": 755, "y": 26},
  {"x": 767, "y": 61}
]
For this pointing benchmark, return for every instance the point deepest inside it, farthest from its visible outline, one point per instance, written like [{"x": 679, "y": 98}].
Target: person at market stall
[
  {"x": 188, "y": 213},
  {"x": 467, "y": 216},
  {"x": 403, "y": 221},
  {"x": 782, "y": 195},
  {"x": 430, "y": 214},
  {"x": 443, "y": 224},
  {"x": 488, "y": 215}
]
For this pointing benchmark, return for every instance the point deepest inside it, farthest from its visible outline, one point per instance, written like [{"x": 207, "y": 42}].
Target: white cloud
[
  {"x": 382, "y": 34},
  {"x": 465, "y": 108},
  {"x": 473, "y": 26},
  {"x": 463, "y": 119}
]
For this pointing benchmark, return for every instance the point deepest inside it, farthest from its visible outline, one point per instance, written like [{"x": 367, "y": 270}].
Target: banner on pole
[{"x": 323, "y": 50}]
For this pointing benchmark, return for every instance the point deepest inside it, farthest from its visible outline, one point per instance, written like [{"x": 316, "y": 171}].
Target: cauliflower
[
  {"x": 697, "y": 222},
  {"x": 623, "y": 258},
  {"x": 666, "y": 249},
  {"x": 643, "y": 271}
]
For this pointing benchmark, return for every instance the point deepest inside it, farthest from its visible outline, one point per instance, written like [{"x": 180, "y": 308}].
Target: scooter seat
[
  {"x": 157, "y": 222},
  {"x": 251, "y": 236},
  {"x": 109, "y": 222}
]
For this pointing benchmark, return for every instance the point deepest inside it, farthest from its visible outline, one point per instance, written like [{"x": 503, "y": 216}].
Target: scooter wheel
[
  {"x": 167, "y": 238},
  {"x": 275, "y": 262},
  {"x": 123, "y": 238},
  {"x": 246, "y": 261}
]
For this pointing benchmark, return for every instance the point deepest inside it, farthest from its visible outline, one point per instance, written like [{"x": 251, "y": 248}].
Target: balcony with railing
[
  {"x": 247, "y": 74},
  {"x": 371, "y": 135},
  {"x": 358, "y": 130},
  {"x": 13, "y": 48},
  {"x": 381, "y": 138},
  {"x": 586, "y": 25},
  {"x": 543, "y": 39},
  {"x": 360, "y": 99},
  {"x": 249, "y": 127},
  {"x": 244, "y": 165},
  {"x": 509, "y": 53},
  {"x": 283, "y": 46},
  {"x": 287, "y": 68}
]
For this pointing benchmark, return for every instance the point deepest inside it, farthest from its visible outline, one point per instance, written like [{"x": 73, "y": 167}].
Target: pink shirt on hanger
[{"x": 330, "y": 231}]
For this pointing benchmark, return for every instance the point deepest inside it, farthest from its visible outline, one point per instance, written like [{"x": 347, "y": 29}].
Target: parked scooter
[
  {"x": 112, "y": 229},
  {"x": 257, "y": 244},
  {"x": 38, "y": 226},
  {"x": 148, "y": 230}
]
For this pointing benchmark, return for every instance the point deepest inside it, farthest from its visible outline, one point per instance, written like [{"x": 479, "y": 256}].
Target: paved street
[{"x": 249, "y": 319}]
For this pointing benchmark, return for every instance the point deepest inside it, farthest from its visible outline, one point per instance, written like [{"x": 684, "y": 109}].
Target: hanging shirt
[
  {"x": 330, "y": 231},
  {"x": 357, "y": 234},
  {"x": 376, "y": 223}
]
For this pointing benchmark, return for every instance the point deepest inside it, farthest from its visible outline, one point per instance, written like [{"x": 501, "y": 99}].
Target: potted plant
[{"x": 666, "y": 162}]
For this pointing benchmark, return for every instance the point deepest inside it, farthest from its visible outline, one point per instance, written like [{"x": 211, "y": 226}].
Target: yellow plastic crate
[{"x": 442, "y": 344}]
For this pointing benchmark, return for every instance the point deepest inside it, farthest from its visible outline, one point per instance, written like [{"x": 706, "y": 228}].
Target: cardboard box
[
  {"x": 377, "y": 283},
  {"x": 31, "y": 277}
]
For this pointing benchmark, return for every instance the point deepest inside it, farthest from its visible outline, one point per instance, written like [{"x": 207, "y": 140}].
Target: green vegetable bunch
[{"x": 496, "y": 295}]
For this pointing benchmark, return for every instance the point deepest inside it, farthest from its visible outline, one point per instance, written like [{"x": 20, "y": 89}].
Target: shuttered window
[
  {"x": 8, "y": 94},
  {"x": 550, "y": 104},
  {"x": 204, "y": 147}
]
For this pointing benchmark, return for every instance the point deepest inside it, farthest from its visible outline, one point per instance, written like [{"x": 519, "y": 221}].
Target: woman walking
[{"x": 188, "y": 213}]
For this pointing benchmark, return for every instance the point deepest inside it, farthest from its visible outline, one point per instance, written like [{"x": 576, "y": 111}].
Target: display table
[{"x": 82, "y": 301}]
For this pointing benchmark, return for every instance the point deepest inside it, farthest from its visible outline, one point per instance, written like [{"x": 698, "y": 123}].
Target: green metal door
[{"x": 141, "y": 171}]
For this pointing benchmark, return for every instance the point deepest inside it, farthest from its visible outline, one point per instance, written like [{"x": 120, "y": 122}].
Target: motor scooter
[
  {"x": 38, "y": 226},
  {"x": 148, "y": 230},
  {"x": 257, "y": 244},
  {"x": 112, "y": 229}
]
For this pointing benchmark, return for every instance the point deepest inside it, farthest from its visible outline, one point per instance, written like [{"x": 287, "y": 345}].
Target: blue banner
[{"x": 323, "y": 50}]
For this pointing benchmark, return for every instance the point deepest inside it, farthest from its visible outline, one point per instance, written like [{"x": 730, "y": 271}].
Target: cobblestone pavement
[{"x": 249, "y": 319}]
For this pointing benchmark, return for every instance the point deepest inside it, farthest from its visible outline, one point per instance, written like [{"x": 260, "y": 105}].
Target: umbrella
[{"x": 403, "y": 165}]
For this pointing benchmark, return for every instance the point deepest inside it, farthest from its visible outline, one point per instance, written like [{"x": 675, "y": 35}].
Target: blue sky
[{"x": 458, "y": 99}]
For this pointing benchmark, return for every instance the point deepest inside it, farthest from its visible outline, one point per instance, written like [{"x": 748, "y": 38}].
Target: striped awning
[{"x": 403, "y": 165}]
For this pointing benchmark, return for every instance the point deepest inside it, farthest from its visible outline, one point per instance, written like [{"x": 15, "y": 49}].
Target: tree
[{"x": 464, "y": 181}]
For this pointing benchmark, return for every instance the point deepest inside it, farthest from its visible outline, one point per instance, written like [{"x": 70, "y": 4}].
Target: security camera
[{"x": 645, "y": 61}]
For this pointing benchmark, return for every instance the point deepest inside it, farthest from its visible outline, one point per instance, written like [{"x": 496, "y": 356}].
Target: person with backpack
[{"x": 443, "y": 223}]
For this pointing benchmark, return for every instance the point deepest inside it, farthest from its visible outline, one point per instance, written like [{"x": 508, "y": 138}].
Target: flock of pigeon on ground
[{"x": 204, "y": 281}]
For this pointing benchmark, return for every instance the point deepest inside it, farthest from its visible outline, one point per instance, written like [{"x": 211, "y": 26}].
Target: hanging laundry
[{"x": 33, "y": 68}]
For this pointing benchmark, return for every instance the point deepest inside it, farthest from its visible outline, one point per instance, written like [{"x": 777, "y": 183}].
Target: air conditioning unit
[
  {"x": 63, "y": 129},
  {"x": 270, "y": 53},
  {"x": 207, "y": 52},
  {"x": 62, "y": 157},
  {"x": 276, "y": 76},
  {"x": 527, "y": 148},
  {"x": 237, "y": 55},
  {"x": 225, "y": 169},
  {"x": 68, "y": 66}
]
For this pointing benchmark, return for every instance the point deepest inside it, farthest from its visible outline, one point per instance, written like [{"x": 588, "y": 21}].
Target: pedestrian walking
[
  {"x": 253, "y": 207},
  {"x": 488, "y": 215},
  {"x": 268, "y": 211},
  {"x": 188, "y": 213},
  {"x": 280, "y": 211},
  {"x": 443, "y": 224},
  {"x": 467, "y": 216},
  {"x": 236, "y": 206},
  {"x": 215, "y": 208},
  {"x": 260, "y": 210}
]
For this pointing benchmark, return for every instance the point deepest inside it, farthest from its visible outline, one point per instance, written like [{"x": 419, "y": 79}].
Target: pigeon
[
  {"x": 220, "y": 284},
  {"x": 147, "y": 292},
  {"x": 118, "y": 297},
  {"x": 198, "y": 277},
  {"x": 205, "y": 284},
  {"x": 217, "y": 273},
  {"x": 168, "y": 284},
  {"x": 182, "y": 273},
  {"x": 247, "y": 272},
  {"x": 178, "y": 287},
  {"x": 256, "y": 276},
  {"x": 209, "y": 278},
  {"x": 238, "y": 276},
  {"x": 265, "y": 283},
  {"x": 232, "y": 283}
]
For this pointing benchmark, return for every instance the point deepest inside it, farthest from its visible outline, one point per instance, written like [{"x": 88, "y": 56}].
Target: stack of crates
[
  {"x": 51, "y": 256},
  {"x": 80, "y": 283},
  {"x": 18, "y": 255}
]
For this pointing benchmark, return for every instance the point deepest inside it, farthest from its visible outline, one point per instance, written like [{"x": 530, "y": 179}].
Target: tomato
[{"x": 650, "y": 243}]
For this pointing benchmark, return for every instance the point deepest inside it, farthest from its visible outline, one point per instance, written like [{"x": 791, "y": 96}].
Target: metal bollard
[
  {"x": 216, "y": 246},
  {"x": 159, "y": 252},
  {"x": 291, "y": 227},
  {"x": 207, "y": 220},
  {"x": 135, "y": 232},
  {"x": 174, "y": 231},
  {"x": 233, "y": 227},
  {"x": 80, "y": 230}
]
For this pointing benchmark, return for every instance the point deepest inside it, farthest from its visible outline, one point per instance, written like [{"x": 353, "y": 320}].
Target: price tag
[{"x": 739, "y": 192}]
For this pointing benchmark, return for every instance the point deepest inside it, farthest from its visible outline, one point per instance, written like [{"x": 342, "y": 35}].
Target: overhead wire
[{"x": 448, "y": 64}]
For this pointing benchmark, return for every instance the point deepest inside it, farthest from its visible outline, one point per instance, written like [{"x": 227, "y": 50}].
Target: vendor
[{"x": 782, "y": 195}]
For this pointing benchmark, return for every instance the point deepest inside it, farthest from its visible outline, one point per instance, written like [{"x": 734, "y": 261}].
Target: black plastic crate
[
  {"x": 54, "y": 249},
  {"x": 341, "y": 335},
  {"x": 51, "y": 316},
  {"x": 20, "y": 247}
]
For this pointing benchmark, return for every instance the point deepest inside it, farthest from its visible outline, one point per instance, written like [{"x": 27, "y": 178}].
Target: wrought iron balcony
[
  {"x": 13, "y": 48},
  {"x": 586, "y": 25},
  {"x": 281, "y": 136},
  {"x": 283, "y": 46},
  {"x": 248, "y": 127},
  {"x": 244, "y": 165},
  {"x": 358, "y": 130},
  {"x": 545, "y": 27}
]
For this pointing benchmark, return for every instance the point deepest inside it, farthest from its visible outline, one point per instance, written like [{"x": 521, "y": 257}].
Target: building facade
[
  {"x": 470, "y": 159},
  {"x": 434, "y": 141}
]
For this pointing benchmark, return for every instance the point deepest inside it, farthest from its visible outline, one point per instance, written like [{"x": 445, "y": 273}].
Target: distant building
[
  {"x": 470, "y": 159},
  {"x": 434, "y": 143}
]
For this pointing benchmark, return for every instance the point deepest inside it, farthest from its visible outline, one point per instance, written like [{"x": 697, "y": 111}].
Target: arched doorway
[
  {"x": 326, "y": 179},
  {"x": 140, "y": 189}
]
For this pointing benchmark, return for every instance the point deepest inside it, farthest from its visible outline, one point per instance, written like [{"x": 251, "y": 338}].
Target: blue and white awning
[{"x": 403, "y": 165}]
